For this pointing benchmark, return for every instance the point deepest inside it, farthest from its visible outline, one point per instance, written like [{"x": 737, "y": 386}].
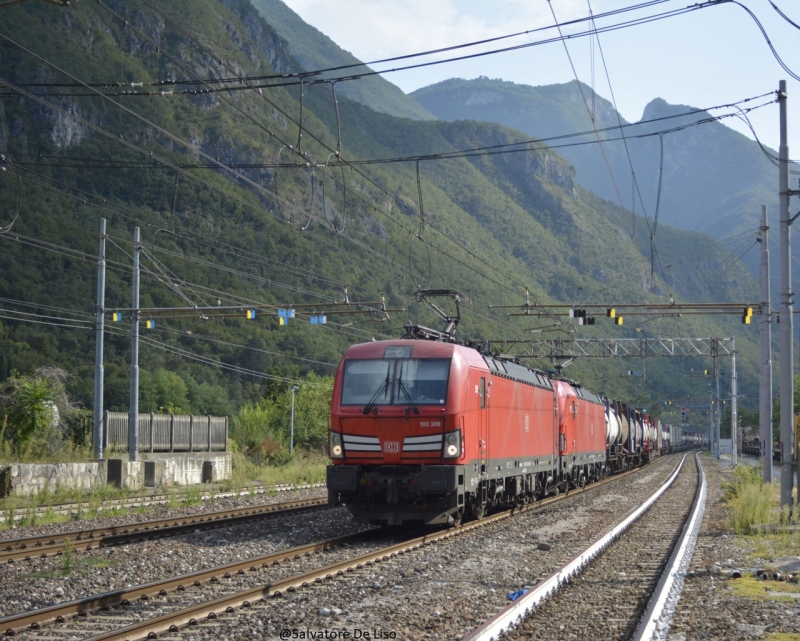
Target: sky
[{"x": 704, "y": 58}]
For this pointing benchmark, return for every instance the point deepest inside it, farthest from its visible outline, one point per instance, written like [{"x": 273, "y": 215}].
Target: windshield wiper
[
  {"x": 382, "y": 389},
  {"x": 402, "y": 387}
]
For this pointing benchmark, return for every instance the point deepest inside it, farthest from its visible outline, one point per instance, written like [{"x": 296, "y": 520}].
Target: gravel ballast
[{"x": 441, "y": 591}]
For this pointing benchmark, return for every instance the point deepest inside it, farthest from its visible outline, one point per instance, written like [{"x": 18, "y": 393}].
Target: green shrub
[{"x": 749, "y": 498}]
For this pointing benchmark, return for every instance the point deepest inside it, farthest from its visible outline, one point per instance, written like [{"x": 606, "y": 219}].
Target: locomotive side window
[
  {"x": 482, "y": 392},
  {"x": 403, "y": 381}
]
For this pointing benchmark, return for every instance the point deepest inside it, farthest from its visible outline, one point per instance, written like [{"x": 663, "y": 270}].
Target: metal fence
[{"x": 167, "y": 432}]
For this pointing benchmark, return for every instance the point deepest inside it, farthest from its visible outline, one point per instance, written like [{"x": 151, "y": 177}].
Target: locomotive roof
[
  {"x": 517, "y": 372},
  {"x": 418, "y": 349}
]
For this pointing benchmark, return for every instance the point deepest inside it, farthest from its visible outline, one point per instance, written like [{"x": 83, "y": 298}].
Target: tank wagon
[{"x": 429, "y": 431}]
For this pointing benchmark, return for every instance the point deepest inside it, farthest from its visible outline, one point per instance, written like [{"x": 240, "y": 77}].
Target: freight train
[{"x": 432, "y": 432}]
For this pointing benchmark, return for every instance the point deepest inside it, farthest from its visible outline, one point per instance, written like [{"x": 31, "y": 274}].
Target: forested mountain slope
[
  {"x": 714, "y": 179},
  {"x": 239, "y": 206},
  {"x": 314, "y": 50}
]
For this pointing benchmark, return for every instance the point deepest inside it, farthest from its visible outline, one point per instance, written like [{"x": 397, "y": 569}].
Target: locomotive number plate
[{"x": 391, "y": 446}]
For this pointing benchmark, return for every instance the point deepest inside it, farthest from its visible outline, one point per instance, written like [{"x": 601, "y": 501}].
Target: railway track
[
  {"x": 624, "y": 585},
  {"x": 131, "y": 502},
  {"x": 210, "y": 596},
  {"x": 12, "y": 550}
]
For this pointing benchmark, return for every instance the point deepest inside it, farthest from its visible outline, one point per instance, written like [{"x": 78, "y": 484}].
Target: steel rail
[
  {"x": 512, "y": 614},
  {"x": 146, "y": 501},
  {"x": 52, "y": 544},
  {"x": 33, "y": 619},
  {"x": 657, "y": 618},
  {"x": 213, "y": 609},
  {"x": 13, "y": 624}
]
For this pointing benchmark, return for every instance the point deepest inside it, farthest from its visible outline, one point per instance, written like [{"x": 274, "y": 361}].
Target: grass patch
[
  {"x": 749, "y": 498},
  {"x": 96, "y": 496},
  {"x": 40, "y": 575},
  {"x": 304, "y": 468},
  {"x": 92, "y": 562},
  {"x": 193, "y": 495},
  {"x": 749, "y": 587},
  {"x": 68, "y": 558},
  {"x": 782, "y": 636}
]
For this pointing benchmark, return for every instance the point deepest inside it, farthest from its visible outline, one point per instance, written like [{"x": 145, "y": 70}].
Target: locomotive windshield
[{"x": 410, "y": 381}]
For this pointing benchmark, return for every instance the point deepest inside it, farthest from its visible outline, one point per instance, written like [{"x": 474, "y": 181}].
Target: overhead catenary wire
[
  {"x": 174, "y": 138},
  {"x": 171, "y": 164},
  {"x": 110, "y": 208},
  {"x": 442, "y": 233},
  {"x": 586, "y": 103},
  {"x": 124, "y": 268},
  {"x": 296, "y": 78},
  {"x": 511, "y": 147}
]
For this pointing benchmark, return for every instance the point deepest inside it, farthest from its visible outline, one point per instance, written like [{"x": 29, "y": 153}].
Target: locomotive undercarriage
[
  {"x": 444, "y": 494},
  {"x": 394, "y": 494}
]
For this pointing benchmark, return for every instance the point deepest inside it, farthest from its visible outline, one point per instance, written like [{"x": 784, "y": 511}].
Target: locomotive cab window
[{"x": 401, "y": 381}]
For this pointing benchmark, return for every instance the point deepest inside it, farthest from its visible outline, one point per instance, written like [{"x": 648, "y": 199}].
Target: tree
[
  {"x": 262, "y": 430},
  {"x": 36, "y": 413}
]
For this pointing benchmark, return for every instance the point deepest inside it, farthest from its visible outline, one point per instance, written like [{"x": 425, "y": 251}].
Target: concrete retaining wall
[
  {"x": 187, "y": 469},
  {"x": 25, "y": 479},
  {"x": 22, "y": 479}
]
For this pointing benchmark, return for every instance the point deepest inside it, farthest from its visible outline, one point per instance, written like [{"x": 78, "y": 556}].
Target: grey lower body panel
[{"x": 394, "y": 494}]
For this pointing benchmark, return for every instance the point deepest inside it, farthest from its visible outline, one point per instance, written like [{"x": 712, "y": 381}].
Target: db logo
[{"x": 391, "y": 446}]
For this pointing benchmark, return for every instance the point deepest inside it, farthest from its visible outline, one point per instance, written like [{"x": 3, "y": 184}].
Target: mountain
[
  {"x": 714, "y": 179},
  {"x": 313, "y": 50},
  {"x": 240, "y": 205}
]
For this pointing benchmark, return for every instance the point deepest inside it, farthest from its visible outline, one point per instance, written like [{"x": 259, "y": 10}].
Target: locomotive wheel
[
  {"x": 478, "y": 510},
  {"x": 457, "y": 517}
]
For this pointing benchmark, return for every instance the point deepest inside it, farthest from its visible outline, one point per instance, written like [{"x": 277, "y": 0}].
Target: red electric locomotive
[{"x": 425, "y": 431}]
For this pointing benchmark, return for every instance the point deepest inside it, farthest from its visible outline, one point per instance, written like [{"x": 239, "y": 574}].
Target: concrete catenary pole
[
  {"x": 734, "y": 407},
  {"x": 717, "y": 408},
  {"x": 97, "y": 431},
  {"x": 294, "y": 389},
  {"x": 786, "y": 311},
  {"x": 133, "y": 413},
  {"x": 712, "y": 426},
  {"x": 765, "y": 377}
]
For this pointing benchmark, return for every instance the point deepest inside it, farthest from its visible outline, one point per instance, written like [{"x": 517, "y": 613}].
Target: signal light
[
  {"x": 747, "y": 314},
  {"x": 705, "y": 372},
  {"x": 251, "y": 314},
  {"x": 150, "y": 324},
  {"x": 116, "y": 317},
  {"x": 611, "y": 312},
  {"x": 618, "y": 320}
]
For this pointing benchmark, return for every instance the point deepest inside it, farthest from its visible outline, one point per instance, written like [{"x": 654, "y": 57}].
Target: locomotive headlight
[
  {"x": 336, "y": 445},
  {"x": 452, "y": 444}
]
